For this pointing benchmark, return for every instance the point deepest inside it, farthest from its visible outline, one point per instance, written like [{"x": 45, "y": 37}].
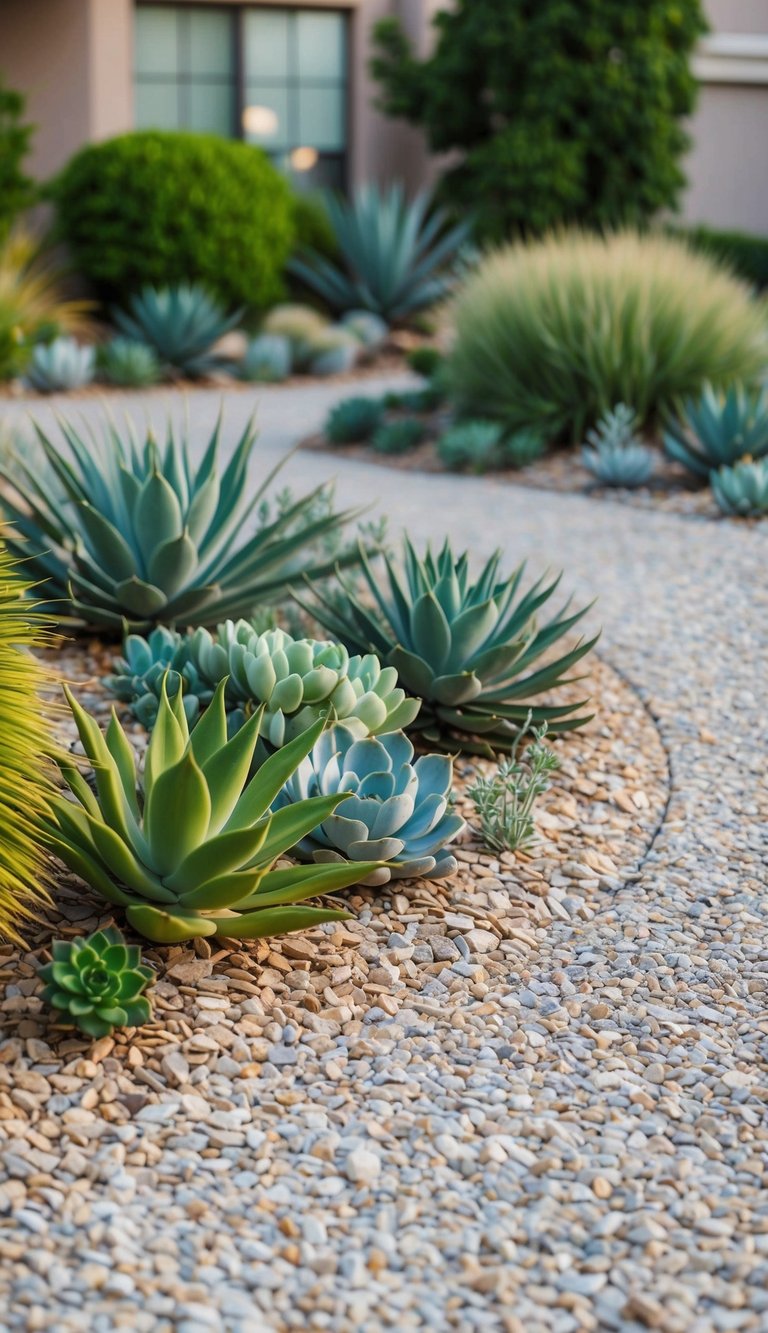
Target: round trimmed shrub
[
  {"x": 551, "y": 335},
  {"x": 162, "y": 207}
]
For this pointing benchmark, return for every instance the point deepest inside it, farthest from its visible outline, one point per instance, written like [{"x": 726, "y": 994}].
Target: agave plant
[
  {"x": 98, "y": 982},
  {"x": 718, "y": 429},
  {"x": 267, "y": 358},
  {"x": 353, "y": 419},
  {"x": 60, "y": 365},
  {"x": 399, "y": 812},
  {"x": 181, "y": 324},
  {"x": 474, "y": 445},
  {"x": 128, "y": 363},
  {"x": 614, "y": 453},
  {"x": 25, "y": 739},
  {"x": 742, "y": 489},
  {"x": 188, "y": 847},
  {"x": 464, "y": 647},
  {"x": 135, "y": 534},
  {"x": 396, "y": 255}
]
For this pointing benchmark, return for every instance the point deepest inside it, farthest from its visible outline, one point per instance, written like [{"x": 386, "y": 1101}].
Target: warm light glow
[
  {"x": 303, "y": 159},
  {"x": 261, "y": 121}
]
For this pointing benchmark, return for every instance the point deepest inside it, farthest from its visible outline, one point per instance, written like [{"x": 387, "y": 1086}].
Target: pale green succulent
[
  {"x": 614, "y": 454},
  {"x": 188, "y": 846},
  {"x": 472, "y": 650},
  {"x": 297, "y": 680},
  {"x": 399, "y": 811},
  {"x": 718, "y": 429},
  {"x": 267, "y": 358},
  {"x": 370, "y": 330},
  {"x": 130, "y": 532},
  {"x": 332, "y": 351},
  {"x": 742, "y": 490},
  {"x": 60, "y": 365},
  {"x": 474, "y": 445},
  {"x": 301, "y": 325}
]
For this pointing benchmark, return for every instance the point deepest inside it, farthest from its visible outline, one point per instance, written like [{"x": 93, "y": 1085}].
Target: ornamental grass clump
[
  {"x": 504, "y": 799},
  {"x": 26, "y": 785},
  {"x": 399, "y": 811},
  {"x": 551, "y": 334},
  {"x": 188, "y": 846},
  {"x": 473, "y": 650},
  {"x": 718, "y": 429},
  {"x": 127, "y": 532},
  {"x": 98, "y": 983}
]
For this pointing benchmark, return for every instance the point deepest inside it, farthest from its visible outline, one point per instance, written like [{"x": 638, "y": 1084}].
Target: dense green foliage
[
  {"x": 17, "y": 190},
  {"x": 746, "y": 255},
  {"x": 98, "y": 982},
  {"x": 187, "y": 846},
  {"x": 470, "y": 649},
  {"x": 127, "y": 532},
  {"x": 161, "y": 207},
  {"x": 560, "y": 110},
  {"x": 399, "y": 811},
  {"x": 551, "y": 334}
]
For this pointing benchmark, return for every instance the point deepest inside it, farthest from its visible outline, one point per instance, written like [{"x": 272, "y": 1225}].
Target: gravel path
[{"x": 579, "y": 1145}]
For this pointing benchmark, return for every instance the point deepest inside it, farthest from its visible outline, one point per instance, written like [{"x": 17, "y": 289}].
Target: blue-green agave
[
  {"x": 181, "y": 324},
  {"x": 742, "y": 489},
  {"x": 129, "y": 532},
  {"x": 718, "y": 429},
  {"x": 614, "y": 454},
  {"x": 98, "y": 982},
  {"x": 187, "y": 847},
  {"x": 60, "y": 365},
  {"x": 473, "y": 651},
  {"x": 399, "y": 812}
]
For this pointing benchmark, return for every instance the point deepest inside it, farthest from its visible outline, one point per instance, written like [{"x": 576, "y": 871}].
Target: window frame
[{"x": 236, "y": 14}]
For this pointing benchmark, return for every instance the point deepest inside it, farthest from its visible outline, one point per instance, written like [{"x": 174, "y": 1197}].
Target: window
[{"x": 275, "y": 77}]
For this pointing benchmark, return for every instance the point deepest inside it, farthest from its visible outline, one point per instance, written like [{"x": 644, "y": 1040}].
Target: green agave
[
  {"x": 188, "y": 847},
  {"x": 98, "y": 982},
  {"x": 470, "y": 650},
  {"x": 181, "y": 324},
  {"x": 718, "y": 429},
  {"x": 742, "y": 490},
  {"x": 137, "y": 536}
]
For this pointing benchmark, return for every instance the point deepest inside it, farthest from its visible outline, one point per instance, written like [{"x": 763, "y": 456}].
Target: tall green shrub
[
  {"x": 17, "y": 190},
  {"x": 162, "y": 207},
  {"x": 562, "y": 110}
]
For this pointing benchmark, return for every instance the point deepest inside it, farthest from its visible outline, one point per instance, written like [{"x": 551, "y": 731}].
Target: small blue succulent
[
  {"x": 398, "y": 812},
  {"x": 138, "y": 675}
]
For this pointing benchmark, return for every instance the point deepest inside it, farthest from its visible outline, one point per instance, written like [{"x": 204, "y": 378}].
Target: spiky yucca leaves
[
  {"x": 465, "y": 647},
  {"x": 399, "y": 812},
  {"x": 718, "y": 429},
  {"x": 181, "y": 324},
  {"x": 134, "y": 534},
  {"x": 187, "y": 847},
  {"x": 742, "y": 490},
  {"x": 98, "y": 982},
  {"x": 25, "y": 739}
]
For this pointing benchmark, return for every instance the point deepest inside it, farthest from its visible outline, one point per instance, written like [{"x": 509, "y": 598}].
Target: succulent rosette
[{"x": 98, "y": 982}]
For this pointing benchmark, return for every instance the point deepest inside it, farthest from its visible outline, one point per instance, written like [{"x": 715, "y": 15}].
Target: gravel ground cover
[{"x": 566, "y": 1131}]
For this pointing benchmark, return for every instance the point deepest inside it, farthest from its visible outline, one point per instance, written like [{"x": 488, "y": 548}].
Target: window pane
[
  {"x": 320, "y": 45},
  {"x": 321, "y": 117},
  {"x": 157, "y": 106},
  {"x": 210, "y": 43},
  {"x": 266, "y": 45},
  {"x": 157, "y": 40},
  {"x": 208, "y": 107},
  {"x": 266, "y": 117}
]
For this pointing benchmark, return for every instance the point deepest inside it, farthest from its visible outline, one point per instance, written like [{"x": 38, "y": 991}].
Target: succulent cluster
[
  {"x": 371, "y": 331},
  {"x": 61, "y": 364},
  {"x": 742, "y": 490},
  {"x": 181, "y": 324},
  {"x": 474, "y": 446},
  {"x": 614, "y": 454},
  {"x": 187, "y": 847},
  {"x": 296, "y": 681},
  {"x": 130, "y": 532},
  {"x": 472, "y": 650},
  {"x": 353, "y": 419},
  {"x": 398, "y": 811},
  {"x": 718, "y": 429},
  {"x": 398, "y": 437},
  {"x": 267, "y": 358},
  {"x": 98, "y": 982},
  {"x": 317, "y": 346},
  {"x": 128, "y": 363}
]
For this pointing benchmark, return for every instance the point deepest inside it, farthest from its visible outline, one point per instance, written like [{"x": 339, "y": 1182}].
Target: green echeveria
[
  {"x": 399, "y": 811},
  {"x": 188, "y": 846},
  {"x": 98, "y": 982},
  {"x": 742, "y": 490},
  {"x": 471, "y": 650}
]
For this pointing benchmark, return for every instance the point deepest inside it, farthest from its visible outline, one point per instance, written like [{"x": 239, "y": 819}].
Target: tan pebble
[
  {"x": 377, "y": 1261},
  {"x": 289, "y": 1227},
  {"x": 602, "y": 1187}
]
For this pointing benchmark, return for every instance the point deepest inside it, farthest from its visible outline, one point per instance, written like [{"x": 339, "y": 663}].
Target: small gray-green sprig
[{"x": 504, "y": 800}]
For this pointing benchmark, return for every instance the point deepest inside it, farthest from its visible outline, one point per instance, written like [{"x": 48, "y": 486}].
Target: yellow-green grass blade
[{"x": 169, "y": 927}]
